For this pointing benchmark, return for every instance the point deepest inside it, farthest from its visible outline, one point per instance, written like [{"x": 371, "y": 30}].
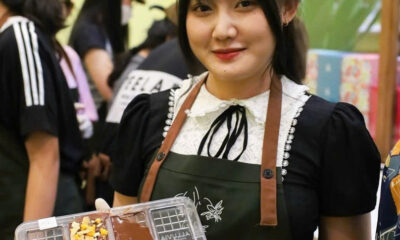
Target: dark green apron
[{"x": 228, "y": 195}]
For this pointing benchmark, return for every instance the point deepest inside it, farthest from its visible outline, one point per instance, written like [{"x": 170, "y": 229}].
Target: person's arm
[
  {"x": 345, "y": 228},
  {"x": 44, "y": 162},
  {"x": 99, "y": 65},
  {"x": 122, "y": 200}
]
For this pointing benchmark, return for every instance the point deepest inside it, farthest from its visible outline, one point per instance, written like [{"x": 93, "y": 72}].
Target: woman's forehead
[{"x": 210, "y": 1}]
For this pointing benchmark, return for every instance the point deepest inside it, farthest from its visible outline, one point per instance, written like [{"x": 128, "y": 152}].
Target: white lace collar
[
  {"x": 206, "y": 106},
  {"x": 206, "y": 102},
  {"x": 12, "y": 20}
]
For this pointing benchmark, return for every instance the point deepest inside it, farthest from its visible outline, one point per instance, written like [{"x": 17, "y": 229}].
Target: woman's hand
[
  {"x": 105, "y": 164},
  {"x": 98, "y": 167},
  {"x": 93, "y": 170}
]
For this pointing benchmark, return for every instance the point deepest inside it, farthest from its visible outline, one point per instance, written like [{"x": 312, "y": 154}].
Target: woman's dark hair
[
  {"x": 289, "y": 56},
  {"x": 107, "y": 14},
  {"x": 157, "y": 34},
  {"x": 14, "y": 6},
  {"x": 47, "y": 14}
]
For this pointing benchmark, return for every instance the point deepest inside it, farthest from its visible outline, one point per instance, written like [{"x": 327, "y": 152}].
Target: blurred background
[
  {"x": 324, "y": 21},
  {"x": 140, "y": 22}
]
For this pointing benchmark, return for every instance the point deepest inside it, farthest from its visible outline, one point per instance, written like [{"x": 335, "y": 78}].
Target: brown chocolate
[{"x": 127, "y": 227}]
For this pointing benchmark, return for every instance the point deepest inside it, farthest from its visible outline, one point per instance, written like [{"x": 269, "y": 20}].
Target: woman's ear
[{"x": 289, "y": 11}]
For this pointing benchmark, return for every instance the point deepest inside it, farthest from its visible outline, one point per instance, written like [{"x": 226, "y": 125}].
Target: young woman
[
  {"x": 98, "y": 34},
  {"x": 77, "y": 81},
  {"x": 39, "y": 132},
  {"x": 260, "y": 157}
]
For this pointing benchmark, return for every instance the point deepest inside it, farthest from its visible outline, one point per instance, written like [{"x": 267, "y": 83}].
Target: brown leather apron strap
[
  {"x": 167, "y": 144},
  {"x": 270, "y": 147}
]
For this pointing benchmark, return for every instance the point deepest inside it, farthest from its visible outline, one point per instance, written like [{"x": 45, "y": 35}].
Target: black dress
[{"x": 334, "y": 163}]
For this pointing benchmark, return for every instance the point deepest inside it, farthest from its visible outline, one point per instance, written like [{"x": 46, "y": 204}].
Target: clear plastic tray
[{"x": 167, "y": 219}]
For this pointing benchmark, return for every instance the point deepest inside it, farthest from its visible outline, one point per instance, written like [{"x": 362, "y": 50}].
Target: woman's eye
[
  {"x": 245, "y": 3},
  {"x": 201, "y": 8}
]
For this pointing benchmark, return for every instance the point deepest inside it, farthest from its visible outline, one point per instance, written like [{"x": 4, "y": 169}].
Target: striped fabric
[{"x": 31, "y": 65}]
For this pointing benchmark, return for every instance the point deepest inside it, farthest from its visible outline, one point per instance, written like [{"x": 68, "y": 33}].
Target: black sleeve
[
  {"x": 128, "y": 162},
  {"x": 350, "y": 165},
  {"x": 31, "y": 80},
  {"x": 109, "y": 133},
  {"x": 87, "y": 36}
]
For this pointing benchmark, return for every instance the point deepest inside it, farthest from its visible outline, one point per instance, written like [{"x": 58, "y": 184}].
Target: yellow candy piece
[
  {"x": 91, "y": 233},
  {"x": 103, "y": 232},
  {"x": 98, "y": 220},
  {"x": 84, "y": 226}
]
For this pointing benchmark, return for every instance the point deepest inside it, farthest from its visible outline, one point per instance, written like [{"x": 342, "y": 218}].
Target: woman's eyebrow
[{"x": 201, "y": 1}]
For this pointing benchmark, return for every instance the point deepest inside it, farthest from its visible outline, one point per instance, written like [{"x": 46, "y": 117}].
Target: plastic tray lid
[
  {"x": 166, "y": 219},
  {"x": 58, "y": 228}
]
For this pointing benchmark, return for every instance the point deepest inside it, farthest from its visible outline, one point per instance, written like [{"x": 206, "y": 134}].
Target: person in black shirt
[
  {"x": 99, "y": 33},
  {"x": 260, "y": 157},
  {"x": 39, "y": 134}
]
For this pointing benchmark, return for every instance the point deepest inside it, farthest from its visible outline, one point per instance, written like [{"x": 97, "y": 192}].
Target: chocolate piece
[
  {"x": 90, "y": 227},
  {"x": 130, "y": 226}
]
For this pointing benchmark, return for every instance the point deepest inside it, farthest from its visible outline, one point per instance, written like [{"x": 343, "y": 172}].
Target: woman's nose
[{"x": 224, "y": 27}]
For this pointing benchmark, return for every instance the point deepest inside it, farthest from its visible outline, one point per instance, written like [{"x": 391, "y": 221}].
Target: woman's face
[
  {"x": 67, "y": 6},
  {"x": 232, "y": 38}
]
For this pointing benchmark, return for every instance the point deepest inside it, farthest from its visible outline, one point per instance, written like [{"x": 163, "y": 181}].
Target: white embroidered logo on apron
[{"x": 214, "y": 211}]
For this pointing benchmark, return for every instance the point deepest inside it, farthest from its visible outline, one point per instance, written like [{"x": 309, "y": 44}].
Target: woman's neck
[
  {"x": 226, "y": 89},
  {"x": 4, "y": 15}
]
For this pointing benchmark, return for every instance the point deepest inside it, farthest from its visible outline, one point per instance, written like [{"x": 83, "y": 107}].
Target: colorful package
[
  {"x": 312, "y": 71},
  {"x": 329, "y": 74},
  {"x": 359, "y": 85}
]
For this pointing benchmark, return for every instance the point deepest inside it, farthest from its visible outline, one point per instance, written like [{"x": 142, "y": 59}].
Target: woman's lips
[{"x": 227, "y": 54}]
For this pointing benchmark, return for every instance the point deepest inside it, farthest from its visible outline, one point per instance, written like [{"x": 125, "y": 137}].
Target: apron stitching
[{"x": 174, "y": 171}]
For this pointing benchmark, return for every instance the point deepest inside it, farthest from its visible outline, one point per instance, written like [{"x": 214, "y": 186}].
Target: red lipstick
[{"x": 228, "y": 53}]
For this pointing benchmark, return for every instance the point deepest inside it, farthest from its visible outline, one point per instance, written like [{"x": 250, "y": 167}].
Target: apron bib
[
  {"x": 234, "y": 200},
  {"x": 226, "y": 195}
]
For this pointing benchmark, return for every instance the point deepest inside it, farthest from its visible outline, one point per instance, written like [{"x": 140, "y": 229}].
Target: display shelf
[{"x": 387, "y": 75}]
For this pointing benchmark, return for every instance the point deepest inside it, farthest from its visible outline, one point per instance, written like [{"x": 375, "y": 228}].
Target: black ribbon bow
[{"x": 240, "y": 124}]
